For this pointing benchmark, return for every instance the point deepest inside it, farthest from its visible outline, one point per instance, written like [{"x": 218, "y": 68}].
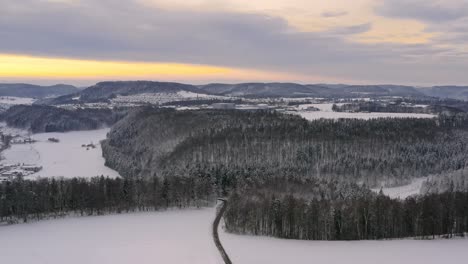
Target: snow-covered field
[
  {"x": 6, "y": 130},
  {"x": 327, "y": 112},
  {"x": 404, "y": 191},
  {"x": 10, "y": 100},
  {"x": 265, "y": 250},
  {"x": 67, "y": 158},
  {"x": 184, "y": 237},
  {"x": 171, "y": 237}
]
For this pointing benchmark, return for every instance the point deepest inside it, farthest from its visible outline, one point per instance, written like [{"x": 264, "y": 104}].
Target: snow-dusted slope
[
  {"x": 161, "y": 98},
  {"x": 9, "y": 101},
  {"x": 404, "y": 191},
  {"x": 172, "y": 237},
  {"x": 264, "y": 250},
  {"x": 327, "y": 112},
  {"x": 66, "y": 158}
]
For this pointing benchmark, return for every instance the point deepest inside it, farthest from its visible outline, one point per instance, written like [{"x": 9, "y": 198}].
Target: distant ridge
[
  {"x": 309, "y": 90},
  {"x": 35, "y": 91},
  {"x": 105, "y": 91},
  {"x": 454, "y": 92}
]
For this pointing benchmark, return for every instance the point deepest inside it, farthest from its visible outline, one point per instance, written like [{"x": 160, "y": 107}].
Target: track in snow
[{"x": 216, "y": 239}]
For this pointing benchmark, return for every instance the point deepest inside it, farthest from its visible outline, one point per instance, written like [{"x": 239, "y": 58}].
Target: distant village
[{"x": 9, "y": 171}]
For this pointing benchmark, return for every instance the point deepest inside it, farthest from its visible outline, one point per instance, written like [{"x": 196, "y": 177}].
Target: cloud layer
[{"x": 133, "y": 31}]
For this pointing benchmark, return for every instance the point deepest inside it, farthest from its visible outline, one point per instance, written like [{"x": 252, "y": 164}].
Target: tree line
[
  {"x": 357, "y": 217},
  {"x": 25, "y": 200}
]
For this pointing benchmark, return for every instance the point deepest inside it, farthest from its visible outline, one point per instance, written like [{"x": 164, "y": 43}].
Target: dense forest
[
  {"x": 150, "y": 141},
  {"x": 355, "y": 217},
  {"x": 452, "y": 181},
  {"x": 285, "y": 207},
  {"x": 25, "y": 200},
  {"x": 385, "y": 107},
  {"x": 39, "y": 118},
  {"x": 397, "y": 107},
  {"x": 283, "y": 176}
]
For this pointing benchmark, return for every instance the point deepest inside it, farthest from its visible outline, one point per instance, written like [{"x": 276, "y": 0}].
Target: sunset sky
[{"x": 417, "y": 42}]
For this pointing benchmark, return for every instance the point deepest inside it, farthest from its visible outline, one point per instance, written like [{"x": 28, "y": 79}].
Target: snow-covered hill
[{"x": 161, "y": 98}]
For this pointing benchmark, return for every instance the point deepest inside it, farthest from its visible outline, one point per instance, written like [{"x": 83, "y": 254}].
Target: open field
[{"x": 66, "y": 158}]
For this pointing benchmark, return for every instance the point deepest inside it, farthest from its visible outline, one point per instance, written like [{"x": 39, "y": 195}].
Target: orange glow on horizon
[
  {"x": 18, "y": 67},
  {"x": 27, "y": 66}
]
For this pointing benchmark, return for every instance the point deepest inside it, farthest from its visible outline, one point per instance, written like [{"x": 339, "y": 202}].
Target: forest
[
  {"x": 285, "y": 207},
  {"x": 282, "y": 175},
  {"x": 41, "y": 118},
  {"x": 149, "y": 141},
  {"x": 25, "y": 200},
  {"x": 360, "y": 217}
]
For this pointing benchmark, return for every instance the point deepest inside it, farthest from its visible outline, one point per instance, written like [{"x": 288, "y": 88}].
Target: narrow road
[{"x": 217, "y": 242}]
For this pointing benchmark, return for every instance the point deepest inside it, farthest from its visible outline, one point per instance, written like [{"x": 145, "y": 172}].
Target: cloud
[
  {"x": 425, "y": 10},
  {"x": 129, "y": 31},
  {"x": 351, "y": 30},
  {"x": 328, "y": 14}
]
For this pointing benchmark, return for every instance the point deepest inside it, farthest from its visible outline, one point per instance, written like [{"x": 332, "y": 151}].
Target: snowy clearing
[
  {"x": 169, "y": 237},
  {"x": 6, "y": 130},
  {"x": 66, "y": 158},
  {"x": 327, "y": 112},
  {"x": 8, "y": 101},
  {"x": 259, "y": 250},
  {"x": 404, "y": 191},
  {"x": 11, "y": 100}
]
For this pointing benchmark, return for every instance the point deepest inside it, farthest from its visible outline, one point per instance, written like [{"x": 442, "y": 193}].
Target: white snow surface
[
  {"x": 11, "y": 100},
  {"x": 265, "y": 250},
  {"x": 169, "y": 237},
  {"x": 6, "y": 130},
  {"x": 64, "y": 159},
  {"x": 404, "y": 191},
  {"x": 184, "y": 237},
  {"x": 327, "y": 113}
]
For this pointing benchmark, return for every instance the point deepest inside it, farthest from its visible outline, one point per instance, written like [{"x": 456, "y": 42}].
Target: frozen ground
[
  {"x": 171, "y": 237},
  {"x": 67, "y": 158},
  {"x": 12, "y": 131},
  {"x": 265, "y": 250},
  {"x": 184, "y": 237},
  {"x": 10, "y": 100},
  {"x": 327, "y": 112},
  {"x": 405, "y": 191}
]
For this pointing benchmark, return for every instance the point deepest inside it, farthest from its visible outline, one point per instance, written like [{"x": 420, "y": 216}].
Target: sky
[{"x": 413, "y": 42}]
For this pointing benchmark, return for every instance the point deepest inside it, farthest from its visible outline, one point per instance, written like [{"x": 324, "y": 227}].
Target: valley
[
  {"x": 76, "y": 154},
  {"x": 145, "y": 162}
]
